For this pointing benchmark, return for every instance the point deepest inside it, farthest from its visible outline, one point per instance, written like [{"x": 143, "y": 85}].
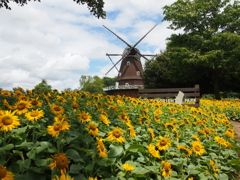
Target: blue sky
[{"x": 59, "y": 41}]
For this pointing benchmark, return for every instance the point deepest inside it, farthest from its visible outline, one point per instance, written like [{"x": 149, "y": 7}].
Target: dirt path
[{"x": 236, "y": 127}]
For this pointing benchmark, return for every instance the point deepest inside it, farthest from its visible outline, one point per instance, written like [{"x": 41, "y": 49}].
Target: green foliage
[
  {"x": 91, "y": 84},
  {"x": 211, "y": 37},
  {"x": 95, "y": 84},
  {"x": 43, "y": 87},
  {"x": 95, "y": 6},
  {"x": 107, "y": 81},
  {"x": 28, "y": 149}
]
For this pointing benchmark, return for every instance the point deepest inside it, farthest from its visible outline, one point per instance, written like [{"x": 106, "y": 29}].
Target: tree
[
  {"x": 91, "y": 84},
  {"x": 211, "y": 35},
  {"x": 95, "y": 6},
  {"x": 43, "y": 87},
  {"x": 165, "y": 71},
  {"x": 107, "y": 81}
]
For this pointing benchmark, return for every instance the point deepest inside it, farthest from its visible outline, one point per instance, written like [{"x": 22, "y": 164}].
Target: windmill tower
[{"x": 130, "y": 74}]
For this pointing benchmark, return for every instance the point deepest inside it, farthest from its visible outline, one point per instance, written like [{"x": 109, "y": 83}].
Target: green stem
[{"x": 33, "y": 136}]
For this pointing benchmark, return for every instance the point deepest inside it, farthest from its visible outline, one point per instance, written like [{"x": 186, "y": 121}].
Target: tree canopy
[
  {"x": 43, "y": 87},
  {"x": 95, "y": 6},
  {"x": 210, "y": 37},
  {"x": 95, "y": 84}
]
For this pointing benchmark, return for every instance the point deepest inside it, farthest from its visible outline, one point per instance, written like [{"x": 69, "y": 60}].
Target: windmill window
[
  {"x": 119, "y": 74},
  {"x": 128, "y": 63},
  {"x": 138, "y": 73}
]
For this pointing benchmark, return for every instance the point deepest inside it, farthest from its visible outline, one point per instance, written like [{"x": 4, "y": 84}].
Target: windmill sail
[{"x": 131, "y": 50}]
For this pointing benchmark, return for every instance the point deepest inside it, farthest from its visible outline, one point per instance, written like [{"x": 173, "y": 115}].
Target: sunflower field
[{"x": 82, "y": 136}]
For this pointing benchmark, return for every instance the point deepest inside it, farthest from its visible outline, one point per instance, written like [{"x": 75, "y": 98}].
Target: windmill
[{"x": 130, "y": 74}]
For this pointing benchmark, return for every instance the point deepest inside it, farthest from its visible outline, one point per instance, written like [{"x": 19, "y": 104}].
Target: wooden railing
[{"x": 191, "y": 95}]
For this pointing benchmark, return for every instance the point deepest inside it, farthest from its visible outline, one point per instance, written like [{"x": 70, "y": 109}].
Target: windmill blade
[
  {"x": 111, "y": 60},
  {"x": 118, "y": 61},
  {"x": 114, "y": 54},
  {"x": 118, "y": 37},
  {"x": 143, "y": 56},
  {"x": 144, "y": 36}
]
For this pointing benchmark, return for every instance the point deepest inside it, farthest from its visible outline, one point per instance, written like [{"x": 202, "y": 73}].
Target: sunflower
[
  {"x": 222, "y": 141},
  {"x": 132, "y": 133},
  {"x": 17, "y": 93},
  {"x": 21, "y": 107},
  {"x": 57, "y": 109},
  {"x": 36, "y": 102},
  {"x": 5, "y": 103},
  {"x": 34, "y": 115},
  {"x": 196, "y": 137},
  {"x": 4, "y": 174},
  {"x": 198, "y": 148},
  {"x": 91, "y": 178},
  {"x": 60, "y": 117},
  {"x": 123, "y": 117},
  {"x": 128, "y": 167},
  {"x": 6, "y": 93},
  {"x": 163, "y": 143},
  {"x": 170, "y": 126},
  {"x": 104, "y": 119},
  {"x": 101, "y": 148},
  {"x": 185, "y": 150},
  {"x": 151, "y": 133},
  {"x": 93, "y": 128},
  {"x": 120, "y": 102},
  {"x": 8, "y": 121},
  {"x": 57, "y": 127},
  {"x": 230, "y": 133},
  {"x": 75, "y": 105},
  {"x": 60, "y": 98},
  {"x": 158, "y": 112},
  {"x": 116, "y": 134},
  {"x": 206, "y": 131},
  {"x": 152, "y": 150},
  {"x": 166, "y": 170},
  {"x": 84, "y": 117},
  {"x": 213, "y": 165},
  {"x": 61, "y": 162},
  {"x": 102, "y": 111},
  {"x": 145, "y": 111},
  {"x": 63, "y": 177}
]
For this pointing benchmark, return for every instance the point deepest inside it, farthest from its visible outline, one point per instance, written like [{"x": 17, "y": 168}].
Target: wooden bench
[{"x": 191, "y": 95}]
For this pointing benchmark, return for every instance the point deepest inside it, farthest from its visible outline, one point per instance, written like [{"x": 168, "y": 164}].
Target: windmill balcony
[{"x": 123, "y": 87}]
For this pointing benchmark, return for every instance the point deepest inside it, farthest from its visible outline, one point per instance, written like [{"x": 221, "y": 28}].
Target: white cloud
[{"x": 59, "y": 40}]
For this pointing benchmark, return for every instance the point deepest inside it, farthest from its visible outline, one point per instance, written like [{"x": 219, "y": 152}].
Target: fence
[{"x": 191, "y": 95}]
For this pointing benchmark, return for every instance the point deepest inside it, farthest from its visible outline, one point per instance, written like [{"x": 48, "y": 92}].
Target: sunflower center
[
  {"x": 3, "y": 171},
  {"x": 197, "y": 148},
  {"x": 7, "y": 120},
  {"x": 61, "y": 162},
  {"x": 21, "y": 106},
  {"x": 123, "y": 116},
  {"x": 34, "y": 102},
  {"x": 93, "y": 126},
  {"x": 57, "y": 126},
  {"x": 34, "y": 114},
  {"x": 24, "y": 98},
  {"x": 84, "y": 116},
  {"x": 117, "y": 133},
  {"x": 57, "y": 108},
  {"x": 163, "y": 142}
]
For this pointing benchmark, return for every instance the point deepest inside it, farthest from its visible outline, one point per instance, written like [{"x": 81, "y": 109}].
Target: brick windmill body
[{"x": 130, "y": 74}]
